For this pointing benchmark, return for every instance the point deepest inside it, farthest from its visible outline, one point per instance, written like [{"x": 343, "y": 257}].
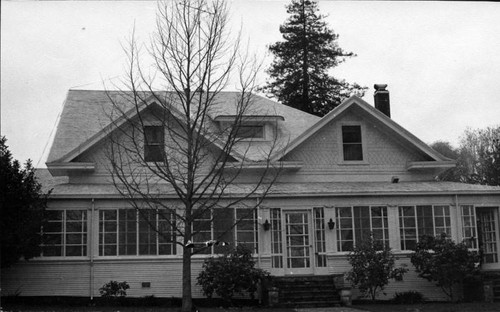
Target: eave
[
  {"x": 249, "y": 118},
  {"x": 63, "y": 168},
  {"x": 282, "y": 165},
  {"x": 426, "y": 165}
]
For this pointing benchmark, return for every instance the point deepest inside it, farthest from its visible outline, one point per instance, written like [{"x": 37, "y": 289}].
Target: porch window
[
  {"x": 487, "y": 233},
  {"x": 276, "y": 239},
  {"x": 417, "y": 221},
  {"x": 65, "y": 234},
  {"x": 131, "y": 232},
  {"x": 235, "y": 226},
  {"x": 154, "y": 144},
  {"x": 469, "y": 234},
  {"x": 351, "y": 143},
  {"x": 355, "y": 224},
  {"x": 319, "y": 236}
]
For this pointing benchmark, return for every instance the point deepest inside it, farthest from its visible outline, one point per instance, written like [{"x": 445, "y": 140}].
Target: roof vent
[{"x": 381, "y": 96}]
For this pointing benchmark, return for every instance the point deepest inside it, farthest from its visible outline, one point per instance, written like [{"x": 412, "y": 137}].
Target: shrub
[
  {"x": 114, "y": 289},
  {"x": 232, "y": 273},
  {"x": 408, "y": 297},
  {"x": 372, "y": 267},
  {"x": 440, "y": 260}
]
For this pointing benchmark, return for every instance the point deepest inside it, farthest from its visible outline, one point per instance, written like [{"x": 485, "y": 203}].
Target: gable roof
[
  {"x": 376, "y": 116},
  {"x": 85, "y": 120}
]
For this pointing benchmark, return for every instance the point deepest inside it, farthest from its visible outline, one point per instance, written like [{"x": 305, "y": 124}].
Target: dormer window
[
  {"x": 154, "y": 143},
  {"x": 250, "y": 132},
  {"x": 250, "y": 128},
  {"x": 351, "y": 143}
]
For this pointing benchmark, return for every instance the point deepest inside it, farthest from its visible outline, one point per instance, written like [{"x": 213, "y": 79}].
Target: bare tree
[{"x": 167, "y": 154}]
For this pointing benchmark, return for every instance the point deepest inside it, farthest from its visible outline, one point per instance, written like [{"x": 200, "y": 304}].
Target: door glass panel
[
  {"x": 487, "y": 235},
  {"x": 297, "y": 238}
]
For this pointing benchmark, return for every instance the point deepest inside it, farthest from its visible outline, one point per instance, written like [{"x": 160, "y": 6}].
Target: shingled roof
[
  {"x": 86, "y": 113},
  {"x": 61, "y": 188}
]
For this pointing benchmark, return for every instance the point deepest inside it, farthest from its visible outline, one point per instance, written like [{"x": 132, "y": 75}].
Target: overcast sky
[{"x": 441, "y": 60}]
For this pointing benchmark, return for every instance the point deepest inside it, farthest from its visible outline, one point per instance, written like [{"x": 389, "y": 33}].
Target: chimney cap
[{"x": 380, "y": 87}]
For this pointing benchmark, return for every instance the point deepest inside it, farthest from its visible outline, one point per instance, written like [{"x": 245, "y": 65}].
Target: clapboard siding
[
  {"x": 47, "y": 279},
  {"x": 322, "y": 155},
  {"x": 411, "y": 281},
  {"x": 73, "y": 278},
  {"x": 164, "y": 276}
]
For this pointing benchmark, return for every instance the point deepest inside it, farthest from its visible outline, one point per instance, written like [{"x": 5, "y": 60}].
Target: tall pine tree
[
  {"x": 22, "y": 205},
  {"x": 299, "y": 74}
]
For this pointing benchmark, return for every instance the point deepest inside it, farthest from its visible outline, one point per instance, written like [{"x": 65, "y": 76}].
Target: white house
[{"x": 352, "y": 172}]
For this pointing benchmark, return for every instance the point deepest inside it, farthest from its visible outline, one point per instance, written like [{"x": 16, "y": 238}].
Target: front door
[
  {"x": 488, "y": 234},
  {"x": 298, "y": 240}
]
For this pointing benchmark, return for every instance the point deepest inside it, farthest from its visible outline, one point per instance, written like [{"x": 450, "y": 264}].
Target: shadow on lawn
[
  {"x": 144, "y": 304},
  {"x": 429, "y": 307}
]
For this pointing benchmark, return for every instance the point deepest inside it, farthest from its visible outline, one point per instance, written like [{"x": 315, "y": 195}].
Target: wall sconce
[
  {"x": 331, "y": 224},
  {"x": 266, "y": 225}
]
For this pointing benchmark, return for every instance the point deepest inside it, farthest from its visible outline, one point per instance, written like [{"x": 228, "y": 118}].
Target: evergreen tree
[
  {"x": 22, "y": 206},
  {"x": 299, "y": 74}
]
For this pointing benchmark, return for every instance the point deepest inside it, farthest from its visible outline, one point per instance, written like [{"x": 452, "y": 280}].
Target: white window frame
[
  {"x": 101, "y": 245},
  {"x": 64, "y": 232},
  {"x": 364, "y": 161},
  {"x": 384, "y": 228},
  {"x": 447, "y": 225},
  {"x": 235, "y": 231}
]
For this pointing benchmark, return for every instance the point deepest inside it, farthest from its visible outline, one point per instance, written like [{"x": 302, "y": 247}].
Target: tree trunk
[{"x": 187, "y": 302}]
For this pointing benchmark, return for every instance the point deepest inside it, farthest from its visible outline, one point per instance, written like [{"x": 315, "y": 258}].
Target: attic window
[
  {"x": 250, "y": 132},
  {"x": 153, "y": 143},
  {"x": 351, "y": 142}
]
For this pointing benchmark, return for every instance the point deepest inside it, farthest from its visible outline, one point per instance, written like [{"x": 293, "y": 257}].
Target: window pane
[
  {"x": 153, "y": 134},
  {"x": 53, "y": 239},
  {"x": 469, "y": 226},
  {"x": 108, "y": 230},
  {"x": 52, "y": 251},
  {"x": 75, "y": 215},
  {"x": 352, "y": 146},
  {"x": 53, "y": 233},
  {"x": 153, "y": 153},
  {"x": 425, "y": 221},
  {"x": 75, "y": 226},
  {"x": 154, "y": 143},
  {"x": 74, "y": 251},
  {"x": 250, "y": 131},
  {"x": 52, "y": 227},
  {"x": 351, "y": 134},
  {"x": 276, "y": 239},
  {"x": 69, "y": 239},
  {"x": 353, "y": 152},
  {"x": 408, "y": 231}
]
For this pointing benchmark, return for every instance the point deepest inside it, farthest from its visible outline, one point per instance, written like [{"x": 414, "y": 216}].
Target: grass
[
  {"x": 430, "y": 307},
  {"x": 30, "y": 308},
  {"x": 366, "y": 306}
]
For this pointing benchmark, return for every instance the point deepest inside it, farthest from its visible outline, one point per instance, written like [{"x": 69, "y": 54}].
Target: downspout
[
  {"x": 459, "y": 221},
  {"x": 91, "y": 249},
  {"x": 260, "y": 245}
]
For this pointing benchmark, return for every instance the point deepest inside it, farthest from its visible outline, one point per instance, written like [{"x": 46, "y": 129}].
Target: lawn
[
  {"x": 431, "y": 307},
  {"x": 377, "y": 307}
]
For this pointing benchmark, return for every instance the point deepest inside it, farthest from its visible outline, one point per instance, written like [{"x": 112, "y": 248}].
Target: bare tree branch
[{"x": 200, "y": 166}]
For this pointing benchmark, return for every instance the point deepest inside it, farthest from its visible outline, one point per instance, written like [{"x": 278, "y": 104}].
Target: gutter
[{"x": 279, "y": 195}]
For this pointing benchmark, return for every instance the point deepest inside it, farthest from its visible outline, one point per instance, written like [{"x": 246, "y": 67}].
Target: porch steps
[
  {"x": 306, "y": 291},
  {"x": 494, "y": 278}
]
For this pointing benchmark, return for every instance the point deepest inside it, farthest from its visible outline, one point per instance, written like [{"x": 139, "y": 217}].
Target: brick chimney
[{"x": 381, "y": 96}]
